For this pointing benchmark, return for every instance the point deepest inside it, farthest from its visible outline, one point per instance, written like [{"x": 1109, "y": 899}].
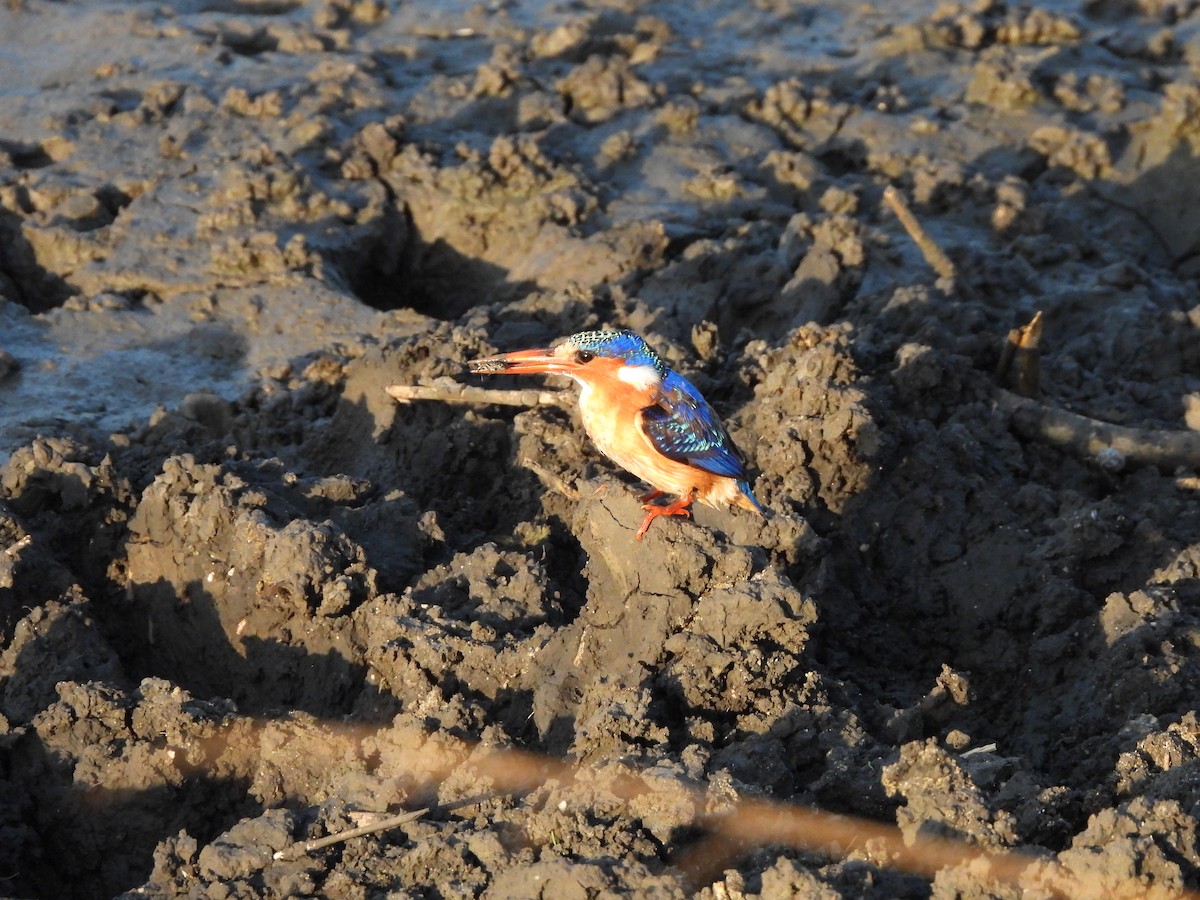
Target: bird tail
[{"x": 746, "y": 499}]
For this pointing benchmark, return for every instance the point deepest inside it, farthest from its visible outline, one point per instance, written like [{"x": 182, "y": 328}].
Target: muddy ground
[{"x": 246, "y": 599}]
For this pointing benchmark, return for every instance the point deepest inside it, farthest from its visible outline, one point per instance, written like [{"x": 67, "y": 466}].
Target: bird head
[{"x": 589, "y": 357}]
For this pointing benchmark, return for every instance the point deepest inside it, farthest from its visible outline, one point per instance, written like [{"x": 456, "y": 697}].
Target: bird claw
[{"x": 677, "y": 508}]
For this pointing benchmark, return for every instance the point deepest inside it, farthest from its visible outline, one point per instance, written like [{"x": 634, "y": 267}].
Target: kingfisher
[{"x": 645, "y": 417}]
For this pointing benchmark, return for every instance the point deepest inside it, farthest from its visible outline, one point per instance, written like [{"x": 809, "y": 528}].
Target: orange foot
[{"x": 676, "y": 508}]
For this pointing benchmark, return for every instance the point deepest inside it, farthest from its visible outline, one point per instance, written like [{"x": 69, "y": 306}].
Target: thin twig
[
  {"x": 550, "y": 480},
  {"x": 447, "y": 390},
  {"x": 298, "y": 849},
  {"x": 1094, "y": 440},
  {"x": 934, "y": 255}
]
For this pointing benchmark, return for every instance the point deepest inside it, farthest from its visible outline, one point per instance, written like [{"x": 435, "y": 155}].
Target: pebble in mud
[{"x": 260, "y": 602}]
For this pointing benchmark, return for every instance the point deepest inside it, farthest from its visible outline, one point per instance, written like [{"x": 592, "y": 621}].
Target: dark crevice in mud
[
  {"x": 123, "y": 825},
  {"x": 844, "y": 158},
  {"x": 401, "y": 271},
  {"x": 113, "y": 199},
  {"x": 35, "y": 287},
  {"x": 435, "y": 280},
  {"x": 26, "y": 156}
]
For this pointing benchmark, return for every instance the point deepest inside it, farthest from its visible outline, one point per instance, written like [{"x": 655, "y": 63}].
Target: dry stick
[
  {"x": 298, "y": 849},
  {"x": 1087, "y": 437},
  {"x": 1029, "y": 357},
  {"x": 447, "y": 390},
  {"x": 1084, "y": 436},
  {"x": 934, "y": 255}
]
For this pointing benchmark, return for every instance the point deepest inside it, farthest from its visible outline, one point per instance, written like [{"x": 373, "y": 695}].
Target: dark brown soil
[{"x": 246, "y": 599}]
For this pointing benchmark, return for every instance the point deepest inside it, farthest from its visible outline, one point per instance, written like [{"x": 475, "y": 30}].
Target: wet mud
[{"x": 247, "y": 599}]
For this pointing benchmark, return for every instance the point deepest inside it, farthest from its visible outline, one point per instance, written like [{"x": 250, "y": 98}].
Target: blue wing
[{"x": 683, "y": 427}]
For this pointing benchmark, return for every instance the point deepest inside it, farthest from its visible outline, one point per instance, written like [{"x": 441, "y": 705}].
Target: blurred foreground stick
[{"x": 519, "y": 778}]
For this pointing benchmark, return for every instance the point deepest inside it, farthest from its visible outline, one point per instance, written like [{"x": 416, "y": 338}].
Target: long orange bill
[{"x": 521, "y": 362}]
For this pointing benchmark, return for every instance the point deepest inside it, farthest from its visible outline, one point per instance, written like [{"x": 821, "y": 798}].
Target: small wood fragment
[
  {"x": 550, "y": 480},
  {"x": 1022, "y": 355},
  {"x": 8, "y": 560},
  {"x": 16, "y": 547},
  {"x": 934, "y": 255}
]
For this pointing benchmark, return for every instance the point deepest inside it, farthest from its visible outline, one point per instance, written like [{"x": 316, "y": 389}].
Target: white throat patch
[{"x": 643, "y": 378}]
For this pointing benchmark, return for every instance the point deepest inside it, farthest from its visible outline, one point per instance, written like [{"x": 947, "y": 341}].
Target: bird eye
[{"x": 584, "y": 356}]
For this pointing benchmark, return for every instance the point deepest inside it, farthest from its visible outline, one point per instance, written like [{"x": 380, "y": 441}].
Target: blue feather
[
  {"x": 685, "y": 428},
  {"x": 681, "y": 425},
  {"x": 624, "y": 344},
  {"x": 744, "y": 487}
]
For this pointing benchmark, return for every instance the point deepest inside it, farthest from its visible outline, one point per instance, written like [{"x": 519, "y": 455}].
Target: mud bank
[{"x": 248, "y": 600}]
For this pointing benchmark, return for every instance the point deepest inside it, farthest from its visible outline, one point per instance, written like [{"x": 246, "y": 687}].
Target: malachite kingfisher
[{"x": 643, "y": 416}]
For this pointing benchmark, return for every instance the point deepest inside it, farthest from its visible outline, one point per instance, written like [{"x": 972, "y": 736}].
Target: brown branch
[
  {"x": 934, "y": 255},
  {"x": 1091, "y": 439},
  {"x": 447, "y": 390},
  {"x": 1111, "y": 446}
]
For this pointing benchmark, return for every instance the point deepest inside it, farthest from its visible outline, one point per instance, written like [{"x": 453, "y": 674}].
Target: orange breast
[{"x": 611, "y": 413}]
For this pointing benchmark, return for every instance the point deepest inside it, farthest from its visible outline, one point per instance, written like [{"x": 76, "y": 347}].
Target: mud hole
[{"x": 246, "y": 599}]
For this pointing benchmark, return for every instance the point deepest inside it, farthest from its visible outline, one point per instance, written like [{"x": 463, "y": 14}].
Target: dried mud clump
[{"x": 250, "y": 603}]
